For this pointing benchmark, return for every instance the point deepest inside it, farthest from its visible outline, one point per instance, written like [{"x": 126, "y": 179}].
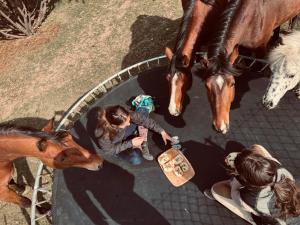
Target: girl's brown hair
[
  {"x": 110, "y": 118},
  {"x": 254, "y": 170}
]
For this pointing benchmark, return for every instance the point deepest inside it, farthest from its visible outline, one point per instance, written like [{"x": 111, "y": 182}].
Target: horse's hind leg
[
  {"x": 8, "y": 195},
  {"x": 18, "y": 188}
]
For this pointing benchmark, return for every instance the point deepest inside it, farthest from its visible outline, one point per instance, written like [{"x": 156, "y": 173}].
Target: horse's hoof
[{"x": 42, "y": 210}]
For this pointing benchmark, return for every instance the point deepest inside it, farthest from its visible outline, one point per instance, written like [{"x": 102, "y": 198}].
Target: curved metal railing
[{"x": 82, "y": 105}]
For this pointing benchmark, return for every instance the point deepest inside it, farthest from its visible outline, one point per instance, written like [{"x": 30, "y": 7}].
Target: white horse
[{"x": 285, "y": 66}]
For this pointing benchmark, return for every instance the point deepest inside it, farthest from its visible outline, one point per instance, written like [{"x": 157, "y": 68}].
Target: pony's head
[
  {"x": 220, "y": 86},
  {"x": 62, "y": 151},
  {"x": 178, "y": 79},
  {"x": 284, "y": 78}
]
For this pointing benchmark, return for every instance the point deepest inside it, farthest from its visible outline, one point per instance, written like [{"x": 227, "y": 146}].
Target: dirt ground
[{"x": 80, "y": 44}]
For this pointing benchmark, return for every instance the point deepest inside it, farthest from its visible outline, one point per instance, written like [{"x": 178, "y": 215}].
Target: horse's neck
[
  {"x": 255, "y": 30},
  {"x": 195, "y": 26},
  {"x": 240, "y": 25},
  {"x": 12, "y": 147},
  {"x": 284, "y": 10},
  {"x": 204, "y": 16}
]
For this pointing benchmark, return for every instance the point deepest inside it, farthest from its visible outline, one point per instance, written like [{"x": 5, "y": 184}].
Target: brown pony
[
  {"x": 198, "y": 20},
  {"x": 247, "y": 23},
  {"x": 54, "y": 149}
]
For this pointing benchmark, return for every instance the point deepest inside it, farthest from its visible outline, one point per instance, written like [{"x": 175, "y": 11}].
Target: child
[{"x": 115, "y": 128}]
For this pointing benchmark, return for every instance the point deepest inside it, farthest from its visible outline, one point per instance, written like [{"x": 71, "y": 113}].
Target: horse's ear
[
  {"x": 169, "y": 53},
  {"x": 42, "y": 145},
  {"x": 185, "y": 61},
  {"x": 49, "y": 126}
]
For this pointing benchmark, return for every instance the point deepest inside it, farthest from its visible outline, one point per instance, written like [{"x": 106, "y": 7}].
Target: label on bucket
[{"x": 176, "y": 167}]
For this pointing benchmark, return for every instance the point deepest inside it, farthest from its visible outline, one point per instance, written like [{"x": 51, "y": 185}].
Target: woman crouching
[{"x": 116, "y": 130}]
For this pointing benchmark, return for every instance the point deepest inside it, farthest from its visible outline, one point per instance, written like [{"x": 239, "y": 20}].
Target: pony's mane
[
  {"x": 217, "y": 53},
  {"x": 9, "y": 129},
  {"x": 181, "y": 36},
  {"x": 289, "y": 51}
]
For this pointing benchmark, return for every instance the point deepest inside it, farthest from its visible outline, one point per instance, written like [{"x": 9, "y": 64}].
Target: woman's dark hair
[
  {"x": 254, "y": 170},
  {"x": 110, "y": 118}
]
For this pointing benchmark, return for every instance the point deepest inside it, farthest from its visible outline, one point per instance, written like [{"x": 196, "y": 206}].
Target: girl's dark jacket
[{"x": 118, "y": 145}]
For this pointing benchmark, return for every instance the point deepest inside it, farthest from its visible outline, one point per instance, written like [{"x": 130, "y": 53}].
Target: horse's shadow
[
  {"x": 150, "y": 36},
  {"x": 153, "y": 83},
  {"x": 107, "y": 196},
  {"x": 242, "y": 85}
]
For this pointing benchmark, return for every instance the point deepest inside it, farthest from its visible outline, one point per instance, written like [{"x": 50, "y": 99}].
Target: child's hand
[
  {"x": 165, "y": 137},
  {"x": 137, "y": 142}
]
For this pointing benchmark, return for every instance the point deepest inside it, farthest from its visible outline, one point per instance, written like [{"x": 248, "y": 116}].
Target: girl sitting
[{"x": 115, "y": 131}]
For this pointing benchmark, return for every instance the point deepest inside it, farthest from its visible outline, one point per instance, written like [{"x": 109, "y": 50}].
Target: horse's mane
[
  {"x": 217, "y": 53},
  {"x": 289, "y": 51},
  {"x": 181, "y": 36},
  {"x": 10, "y": 129}
]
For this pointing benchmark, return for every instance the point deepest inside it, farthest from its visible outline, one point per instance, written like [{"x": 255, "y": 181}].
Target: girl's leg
[
  {"x": 129, "y": 131},
  {"x": 143, "y": 132},
  {"x": 221, "y": 192},
  {"x": 131, "y": 156}
]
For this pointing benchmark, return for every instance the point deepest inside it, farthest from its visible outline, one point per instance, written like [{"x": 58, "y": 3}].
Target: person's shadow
[
  {"x": 207, "y": 160},
  {"x": 108, "y": 196}
]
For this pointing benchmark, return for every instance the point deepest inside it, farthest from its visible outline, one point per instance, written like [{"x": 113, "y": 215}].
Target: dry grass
[{"x": 80, "y": 44}]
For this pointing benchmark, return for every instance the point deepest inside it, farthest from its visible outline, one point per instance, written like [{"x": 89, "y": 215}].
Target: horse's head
[
  {"x": 178, "y": 80},
  {"x": 63, "y": 152},
  {"x": 285, "y": 77},
  {"x": 220, "y": 92},
  {"x": 220, "y": 88}
]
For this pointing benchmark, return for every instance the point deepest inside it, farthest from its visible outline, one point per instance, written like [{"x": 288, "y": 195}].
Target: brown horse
[
  {"x": 247, "y": 23},
  {"x": 198, "y": 19},
  {"x": 54, "y": 149}
]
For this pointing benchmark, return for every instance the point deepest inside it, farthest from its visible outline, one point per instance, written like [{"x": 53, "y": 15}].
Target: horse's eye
[
  {"x": 62, "y": 158},
  {"x": 232, "y": 84}
]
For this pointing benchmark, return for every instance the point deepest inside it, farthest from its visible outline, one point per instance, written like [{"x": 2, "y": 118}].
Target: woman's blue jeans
[{"x": 133, "y": 155}]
